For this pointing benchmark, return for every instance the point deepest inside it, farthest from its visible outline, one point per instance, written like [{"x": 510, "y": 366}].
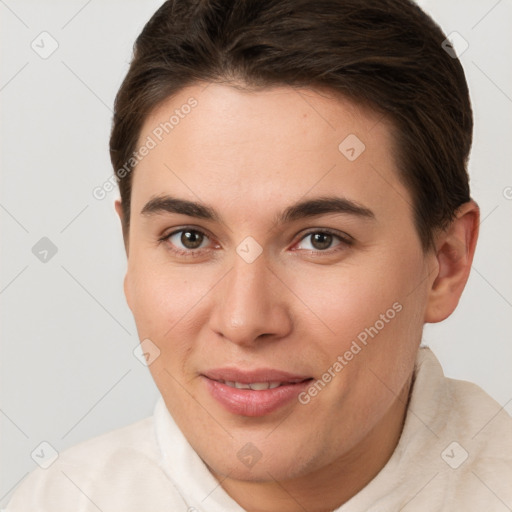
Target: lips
[
  {"x": 255, "y": 386},
  {"x": 253, "y": 392},
  {"x": 249, "y": 376}
]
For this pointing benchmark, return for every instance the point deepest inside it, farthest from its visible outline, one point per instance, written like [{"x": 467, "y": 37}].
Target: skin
[{"x": 249, "y": 155}]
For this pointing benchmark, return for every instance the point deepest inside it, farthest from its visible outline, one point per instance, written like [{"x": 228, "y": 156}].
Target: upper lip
[{"x": 250, "y": 376}]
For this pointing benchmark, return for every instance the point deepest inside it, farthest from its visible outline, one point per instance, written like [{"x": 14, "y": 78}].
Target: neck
[{"x": 330, "y": 486}]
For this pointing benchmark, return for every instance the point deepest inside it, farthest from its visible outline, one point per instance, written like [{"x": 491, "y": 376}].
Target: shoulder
[
  {"x": 95, "y": 473},
  {"x": 460, "y": 408},
  {"x": 91, "y": 455},
  {"x": 469, "y": 439},
  {"x": 478, "y": 449},
  {"x": 480, "y": 420}
]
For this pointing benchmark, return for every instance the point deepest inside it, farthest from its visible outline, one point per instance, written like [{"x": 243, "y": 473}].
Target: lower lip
[{"x": 247, "y": 402}]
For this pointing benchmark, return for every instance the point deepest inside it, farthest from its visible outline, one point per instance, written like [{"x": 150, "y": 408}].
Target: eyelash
[
  {"x": 191, "y": 253},
  {"x": 345, "y": 240}
]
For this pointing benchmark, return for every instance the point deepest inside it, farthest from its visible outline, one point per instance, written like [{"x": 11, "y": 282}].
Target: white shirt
[{"x": 454, "y": 454}]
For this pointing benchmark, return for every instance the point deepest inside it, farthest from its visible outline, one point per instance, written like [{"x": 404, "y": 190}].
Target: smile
[
  {"x": 255, "y": 386},
  {"x": 253, "y": 393}
]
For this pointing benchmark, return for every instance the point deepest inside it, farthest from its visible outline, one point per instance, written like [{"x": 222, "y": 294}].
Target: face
[{"x": 274, "y": 263}]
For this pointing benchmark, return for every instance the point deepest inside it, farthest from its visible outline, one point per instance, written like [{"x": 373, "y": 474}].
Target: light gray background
[{"x": 68, "y": 371}]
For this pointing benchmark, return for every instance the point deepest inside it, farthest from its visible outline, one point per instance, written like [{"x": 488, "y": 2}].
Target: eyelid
[
  {"x": 173, "y": 231},
  {"x": 344, "y": 237},
  {"x": 185, "y": 252}
]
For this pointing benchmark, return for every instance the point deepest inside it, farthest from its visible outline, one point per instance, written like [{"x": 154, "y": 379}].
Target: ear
[
  {"x": 454, "y": 251},
  {"x": 119, "y": 210},
  {"x": 126, "y": 284}
]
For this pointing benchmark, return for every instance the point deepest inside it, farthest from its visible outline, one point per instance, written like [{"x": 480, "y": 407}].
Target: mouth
[
  {"x": 253, "y": 393},
  {"x": 257, "y": 386}
]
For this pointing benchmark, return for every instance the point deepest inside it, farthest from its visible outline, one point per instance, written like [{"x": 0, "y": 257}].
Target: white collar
[{"x": 201, "y": 490}]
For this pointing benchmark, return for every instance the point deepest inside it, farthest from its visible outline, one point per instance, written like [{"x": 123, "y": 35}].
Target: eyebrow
[
  {"x": 302, "y": 209},
  {"x": 322, "y": 206},
  {"x": 168, "y": 204}
]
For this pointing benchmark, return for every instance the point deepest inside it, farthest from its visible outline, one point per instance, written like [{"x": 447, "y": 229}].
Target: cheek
[
  {"x": 164, "y": 305},
  {"x": 168, "y": 304},
  {"x": 153, "y": 301},
  {"x": 158, "y": 296},
  {"x": 373, "y": 317},
  {"x": 351, "y": 297}
]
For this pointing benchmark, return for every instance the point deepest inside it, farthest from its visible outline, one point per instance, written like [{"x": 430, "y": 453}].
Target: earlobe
[
  {"x": 127, "y": 294},
  {"x": 120, "y": 213},
  {"x": 455, "y": 248},
  {"x": 126, "y": 282}
]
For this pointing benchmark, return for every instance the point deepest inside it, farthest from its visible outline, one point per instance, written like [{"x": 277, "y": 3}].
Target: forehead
[
  {"x": 222, "y": 142},
  {"x": 264, "y": 111}
]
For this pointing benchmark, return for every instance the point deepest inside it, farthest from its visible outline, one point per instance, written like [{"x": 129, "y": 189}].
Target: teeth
[
  {"x": 258, "y": 386},
  {"x": 255, "y": 386}
]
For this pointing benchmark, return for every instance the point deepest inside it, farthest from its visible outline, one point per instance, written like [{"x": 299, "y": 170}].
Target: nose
[{"x": 250, "y": 305}]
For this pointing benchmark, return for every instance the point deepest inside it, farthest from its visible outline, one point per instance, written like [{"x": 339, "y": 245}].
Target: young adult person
[{"x": 295, "y": 207}]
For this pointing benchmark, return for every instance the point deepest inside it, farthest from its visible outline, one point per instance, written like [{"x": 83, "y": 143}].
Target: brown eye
[
  {"x": 321, "y": 241},
  {"x": 191, "y": 239},
  {"x": 187, "y": 239}
]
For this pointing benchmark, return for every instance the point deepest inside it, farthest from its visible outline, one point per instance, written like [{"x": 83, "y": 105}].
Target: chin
[{"x": 251, "y": 465}]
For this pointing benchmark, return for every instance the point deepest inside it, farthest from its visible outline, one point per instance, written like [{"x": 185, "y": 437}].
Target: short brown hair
[{"x": 383, "y": 53}]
